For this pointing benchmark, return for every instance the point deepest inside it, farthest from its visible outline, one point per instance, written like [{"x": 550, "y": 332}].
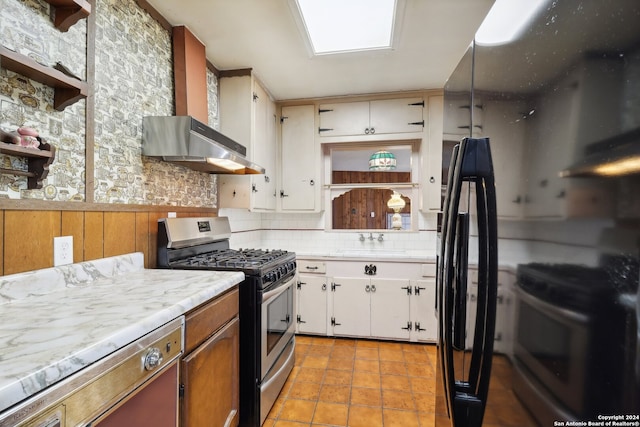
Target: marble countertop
[{"x": 59, "y": 320}]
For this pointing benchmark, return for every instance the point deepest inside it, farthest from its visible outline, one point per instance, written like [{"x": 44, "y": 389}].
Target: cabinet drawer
[
  {"x": 318, "y": 267},
  {"x": 202, "y": 322}
]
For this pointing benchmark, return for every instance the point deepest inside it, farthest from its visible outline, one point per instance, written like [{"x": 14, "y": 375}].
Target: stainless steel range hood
[
  {"x": 185, "y": 141},
  {"x": 615, "y": 156}
]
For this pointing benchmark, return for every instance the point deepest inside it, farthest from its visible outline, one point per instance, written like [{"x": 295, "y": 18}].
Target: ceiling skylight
[
  {"x": 507, "y": 20},
  {"x": 348, "y": 25}
]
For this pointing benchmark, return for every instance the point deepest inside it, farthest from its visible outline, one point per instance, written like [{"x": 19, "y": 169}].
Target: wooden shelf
[
  {"x": 65, "y": 13},
  {"x": 39, "y": 162},
  {"x": 68, "y": 90}
]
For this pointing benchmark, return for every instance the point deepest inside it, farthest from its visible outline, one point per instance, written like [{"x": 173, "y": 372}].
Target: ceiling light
[
  {"x": 507, "y": 20},
  {"x": 334, "y": 26}
]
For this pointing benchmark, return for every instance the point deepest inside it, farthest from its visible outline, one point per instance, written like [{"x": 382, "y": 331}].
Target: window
[{"x": 357, "y": 196}]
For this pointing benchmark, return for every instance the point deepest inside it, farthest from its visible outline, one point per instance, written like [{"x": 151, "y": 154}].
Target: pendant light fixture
[
  {"x": 382, "y": 160},
  {"x": 396, "y": 203}
]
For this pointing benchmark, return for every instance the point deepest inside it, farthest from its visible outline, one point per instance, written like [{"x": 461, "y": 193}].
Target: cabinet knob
[
  {"x": 367, "y": 288},
  {"x": 324, "y": 286},
  {"x": 152, "y": 359},
  {"x": 373, "y": 288}
]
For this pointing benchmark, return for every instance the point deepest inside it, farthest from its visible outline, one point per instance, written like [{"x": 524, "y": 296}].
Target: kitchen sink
[{"x": 371, "y": 252}]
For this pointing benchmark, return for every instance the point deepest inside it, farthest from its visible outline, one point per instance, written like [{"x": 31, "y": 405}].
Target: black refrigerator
[{"x": 539, "y": 239}]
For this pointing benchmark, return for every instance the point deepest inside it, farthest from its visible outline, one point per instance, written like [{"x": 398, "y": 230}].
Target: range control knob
[{"x": 152, "y": 359}]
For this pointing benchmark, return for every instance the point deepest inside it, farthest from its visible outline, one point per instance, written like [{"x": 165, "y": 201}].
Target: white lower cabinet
[
  {"x": 503, "y": 337},
  {"x": 376, "y": 308},
  {"x": 340, "y": 298},
  {"x": 311, "y": 317},
  {"x": 423, "y": 310}
]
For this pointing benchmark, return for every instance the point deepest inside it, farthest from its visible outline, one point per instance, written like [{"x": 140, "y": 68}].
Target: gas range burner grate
[{"x": 231, "y": 258}]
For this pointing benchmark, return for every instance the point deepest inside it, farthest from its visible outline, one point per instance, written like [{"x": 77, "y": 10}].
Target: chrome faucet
[
  {"x": 380, "y": 238},
  {"x": 361, "y": 237},
  {"x": 370, "y": 236}
]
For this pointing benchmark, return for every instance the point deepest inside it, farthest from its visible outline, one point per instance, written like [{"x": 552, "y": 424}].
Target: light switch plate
[{"x": 62, "y": 250}]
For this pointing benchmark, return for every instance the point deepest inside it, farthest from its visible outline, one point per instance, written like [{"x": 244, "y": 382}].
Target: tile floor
[{"x": 357, "y": 383}]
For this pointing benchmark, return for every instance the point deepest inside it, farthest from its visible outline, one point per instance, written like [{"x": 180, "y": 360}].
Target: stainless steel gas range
[{"x": 267, "y": 338}]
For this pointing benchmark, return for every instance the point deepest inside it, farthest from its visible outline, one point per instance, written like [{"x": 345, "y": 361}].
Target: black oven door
[{"x": 277, "y": 322}]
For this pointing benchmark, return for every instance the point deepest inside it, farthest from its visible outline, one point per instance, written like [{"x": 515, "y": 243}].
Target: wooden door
[{"x": 209, "y": 375}]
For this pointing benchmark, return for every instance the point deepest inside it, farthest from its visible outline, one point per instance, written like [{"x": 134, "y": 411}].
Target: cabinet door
[
  {"x": 351, "y": 306},
  {"x": 396, "y": 115},
  {"x": 264, "y": 148},
  {"x": 390, "y": 308},
  {"x": 423, "y": 312},
  {"x": 209, "y": 375},
  {"x": 551, "y": 153},
  {"x": 346, "y": 118},
  {"x": 504, "y": 126},
  {"x": 431, "y": 157},
  {"x": 312, "y": 304},
  {"x": 300, "y": 160}
]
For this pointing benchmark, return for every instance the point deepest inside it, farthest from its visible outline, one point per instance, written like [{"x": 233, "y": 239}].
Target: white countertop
[
  {"x": 59, "y": 320},
  {"x": 370, "y": 254}
]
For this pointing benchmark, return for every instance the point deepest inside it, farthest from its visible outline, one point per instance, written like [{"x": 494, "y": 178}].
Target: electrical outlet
[{"x": 62, "y": 250}]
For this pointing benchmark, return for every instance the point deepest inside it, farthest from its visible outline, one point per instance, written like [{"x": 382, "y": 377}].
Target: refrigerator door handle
[
  {"x": 460, "y": 291},
  {"x": 471, "y": 397},
  {"x": 466, "y": 400}
]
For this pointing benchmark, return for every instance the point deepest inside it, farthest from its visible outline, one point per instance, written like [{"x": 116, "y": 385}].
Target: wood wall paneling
[
  {"x": 353, "y": 209},
  {"x": 26, "y": 235},
  {"x": 119, "y": 233},
  {"x": 93, "y": 235},
  {"x": 28, "y": 239},
  {"x": 1, "y": 243},
  {"x": 142, "y": 235}
]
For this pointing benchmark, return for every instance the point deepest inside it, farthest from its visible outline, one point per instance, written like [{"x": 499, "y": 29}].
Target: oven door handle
[{"x": 277, "y": 290}]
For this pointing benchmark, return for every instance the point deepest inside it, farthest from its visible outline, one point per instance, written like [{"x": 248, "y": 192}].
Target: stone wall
[{"x": 133, "y": 78}]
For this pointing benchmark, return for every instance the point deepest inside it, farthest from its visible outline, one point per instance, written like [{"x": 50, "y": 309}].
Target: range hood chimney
[{"x": 185, "y": 141}]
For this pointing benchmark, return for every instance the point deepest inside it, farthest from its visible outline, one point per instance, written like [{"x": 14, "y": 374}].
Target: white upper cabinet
[
  {"x": 248, "y": 115},
  {"x": 299, "y": 188},
  {"x": 505, "y": 126},
  {"x": 385, "y": 116}
]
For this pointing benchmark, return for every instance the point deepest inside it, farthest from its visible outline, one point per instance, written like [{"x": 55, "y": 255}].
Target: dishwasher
[{"x": 135, "y": 385}]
